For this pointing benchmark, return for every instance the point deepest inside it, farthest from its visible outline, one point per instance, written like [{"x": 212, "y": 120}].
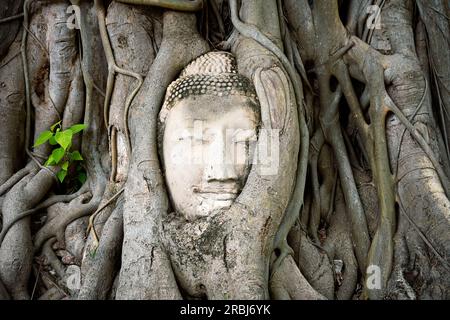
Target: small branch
[
  {"x": 91, "y": 226},
  {"x": 113, "y": 153},
  {"x": 411, "y": 118},
  {"x": 317, "y": 142},
  {"x": 444, "y": 262},
  {"x": 10, "y": 59},
  {"x": 423, "y": 144},
  {"x": 17, "y": 16},
  {"x": 35, "y": 282},
  {"x": 112, "y": 70}
]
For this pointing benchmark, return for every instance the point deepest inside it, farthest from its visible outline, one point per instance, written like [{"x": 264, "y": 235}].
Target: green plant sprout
[{"x": 62, "y": 156}]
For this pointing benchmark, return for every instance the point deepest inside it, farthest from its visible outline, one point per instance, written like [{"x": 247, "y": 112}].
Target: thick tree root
[
  {"x": 401, "y": 204},
  {"x": 76, "y": 209},
  {"x": 296, "y": 202},
  {"x": 287, "y": 283},
  {"x": 99, "y": 279},
  {"x": 16, "y": 253},
  {"x": 11, "y": 117},
  {"x": 51, "y": 258},
  {"x": 112, "y": 70},
  {"x": 312, "y": 261},
  {"x": 338, "y": 245},
  {"x": 47, "y": 203},
  {"x": 144, "y": 193}
]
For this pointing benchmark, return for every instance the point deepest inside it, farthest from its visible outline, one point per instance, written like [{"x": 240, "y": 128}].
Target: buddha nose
[{"x": 220, "y": 165}]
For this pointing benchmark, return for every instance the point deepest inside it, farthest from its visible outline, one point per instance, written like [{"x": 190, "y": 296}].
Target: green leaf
[
  {"x": 64, "y": 138},
  {"x": 50, "y": 161},
  {"x": 65, "y": 165},
  {"x": 57, "y": 155},
  {"x": 82, "y": 177},
  {"x": 76, "y": 156},
  {"x": 61, "y": 175},
  {"x": 52, "y": 141},
  {"x": 55, "y": 125},
  {"x": 77, "y": 128},
  {"x": 43, "y": 137}
]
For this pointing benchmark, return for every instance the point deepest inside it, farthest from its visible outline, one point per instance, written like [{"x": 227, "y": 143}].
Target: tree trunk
[{"x": 357, "y": 93}]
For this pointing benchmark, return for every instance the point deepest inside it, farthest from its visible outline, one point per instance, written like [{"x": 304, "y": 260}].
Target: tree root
[
  {"x": 317, "y": 142},
  {"x": 55, "y": 227},
  {"x": 412, "y": 194},
  {"x": 99, "y": 278},
  {"x": 47, "y": 203},
  {"x": 329, "y": 183},
  {"x": 9, "y": 14},
  {"x": 91, "y": 238},
  {"x": 145, "y": 197},
  {"x": 443, "y": 261},
  {"x": 12, "y": 116},
  {"x": 423, "y": 144},
  {"x": 14, "y": 179},
  {"x": 51, "y": 258},
  {"x": 28, "y": 128},
  {"x": 15, "y": 253},
  {"x": 312, "y": 261},
  {"x": 338, "y": 245},
  {"x": 11, "y": 18},
  {"x": 381, "y": 103},
  {"x": 288, "y": 283},
  {"x": 329, "y": 120},
  {"x": 112, "y": 69},
  {"x": 297, "y": 198},
  {"x": 91, "y": 226}
]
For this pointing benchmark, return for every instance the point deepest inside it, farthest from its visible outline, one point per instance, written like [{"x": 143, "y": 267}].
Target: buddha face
[{"x": 207, "y": 148}]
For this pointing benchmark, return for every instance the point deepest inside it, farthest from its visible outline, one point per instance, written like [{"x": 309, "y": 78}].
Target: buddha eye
[
  {"x": 192, "y": 135},
  {"x": 244, "y": 136},
  {"x": 203, "y": 140},
  {"x": 185, "y": 136},
  {"x": 204, "y": 137}
]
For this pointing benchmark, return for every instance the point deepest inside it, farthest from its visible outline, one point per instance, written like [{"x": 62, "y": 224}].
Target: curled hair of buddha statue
[{"x": 214, "y": 73}]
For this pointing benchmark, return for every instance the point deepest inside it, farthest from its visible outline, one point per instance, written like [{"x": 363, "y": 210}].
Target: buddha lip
[
  {"x": 218, "y": 195},
  {"x": 218, "y": 191},
  {"x": 232, "y": 191}
]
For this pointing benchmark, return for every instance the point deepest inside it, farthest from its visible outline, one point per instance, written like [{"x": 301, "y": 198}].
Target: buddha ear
[{"x": 273, "y": 90}]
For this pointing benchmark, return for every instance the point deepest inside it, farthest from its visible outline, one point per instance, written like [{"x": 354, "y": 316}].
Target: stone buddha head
[{"x": 208, "y": 129}]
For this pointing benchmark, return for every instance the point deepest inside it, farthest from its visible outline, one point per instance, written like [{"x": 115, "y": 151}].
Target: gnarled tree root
[
  {"x": 288, "y": 283},
  {"x": 99, "y": 278}
]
